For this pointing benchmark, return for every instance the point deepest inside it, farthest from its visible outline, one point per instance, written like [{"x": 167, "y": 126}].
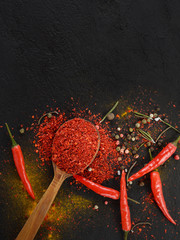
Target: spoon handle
[{"x": 33, "y": 223}]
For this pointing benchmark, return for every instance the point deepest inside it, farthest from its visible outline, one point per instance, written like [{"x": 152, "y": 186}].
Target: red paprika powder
[
  {"x": 103, "y": 165},
  {"x": 75, "y": 145}
]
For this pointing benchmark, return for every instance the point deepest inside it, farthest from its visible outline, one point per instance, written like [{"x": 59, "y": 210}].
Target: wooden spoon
[{"x": 34, "y": 222}]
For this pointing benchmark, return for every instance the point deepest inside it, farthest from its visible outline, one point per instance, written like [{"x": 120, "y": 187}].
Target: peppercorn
[
  {"x": 116, "y": 136},
  {"x": 113, "y": 134},
  {"x": 130, "y": 129},
  {"x": 155, "y": 115},
  {"x": 110, "y": 116},
  {"x": 133, "y": 134},
  {"x": 141, "y": 184},
  {"x": 21, "y": 130},
  {"x": 96, "y": 207},
  {"x": 137, "y": 125},
  {"x": 118, "y": 149},
  {"x": 135, "y": 148},
  {"x": 49, "y": 115},
  {"x": 152, "y": 149},
  {"x": 144, "y": 121},
  {"x": 106, "y": 202},
  {"x": 129, "y": 137},
  {"x": 176, "y": 157}
]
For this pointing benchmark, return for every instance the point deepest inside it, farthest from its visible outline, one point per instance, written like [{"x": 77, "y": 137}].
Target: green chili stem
[
  {"x": 46, "y": 115},
  {"x": 162, "y": 133},
  {"x": 132, "y": 200},
  {"x": 11, "y": 137},
  {"x": 141, "y": 223},
  {"x": 176, "y": 141},
  {"x": 126, "y": 235},
  {"x": 112, "y": 109},
  {"x": 170, "y": 125}
]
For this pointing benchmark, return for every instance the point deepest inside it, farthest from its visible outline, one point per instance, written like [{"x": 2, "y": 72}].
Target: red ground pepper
[
  {"x": 103, "y": 165},
  {"x": 163, "y": 156},
  {"x": 19, "y": 163},
  {"x": 156, "y": 187},
  {"x": 124, "y": 208},
  {"x": 97, "y": 188},
  {"x": 75, "y": 144}
]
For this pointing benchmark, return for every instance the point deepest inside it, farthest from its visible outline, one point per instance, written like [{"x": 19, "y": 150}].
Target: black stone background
[{"x": 95, "y": 51}]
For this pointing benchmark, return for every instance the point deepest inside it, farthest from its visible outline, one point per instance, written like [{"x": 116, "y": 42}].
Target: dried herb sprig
[
  {"x": 169, "y": 125},
  {"x": 49, "y": 114},
  {"x": 130, "y": 169},
  {"x": 162, "y": 133},
  {"x": 142, "y": 144},
  {"x": 132, "y": 200},
  {"x": 137, "y": 114},
  {"x": 111, "y": 110},
  {"x": 146, "y": 135},
  {"x": 140, "y": 223}
]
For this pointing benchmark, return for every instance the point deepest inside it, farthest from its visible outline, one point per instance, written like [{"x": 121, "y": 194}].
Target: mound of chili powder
[
  {"x": 103, "y": 166},
  {"x": 75, "y": 145}
]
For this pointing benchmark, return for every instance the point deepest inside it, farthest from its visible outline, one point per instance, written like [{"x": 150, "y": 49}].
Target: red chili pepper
[
  {"x": 156, "y": 187},
  {"x": 124, "y": 208},
  {"x": 19, "y": 163},
  {"x": 97, "y": 188},
  {"x": 163, "y": 156}
]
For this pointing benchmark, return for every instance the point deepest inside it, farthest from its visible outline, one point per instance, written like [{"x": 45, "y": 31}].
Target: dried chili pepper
[
  {"x": 124, "y": 208},
  {"x": 19, "y": 163},
  {"x": 163, "y": 156},
  {"x": 156, "y": 187},
  {"x": 97, "y": 188},
  {"x": 101, "y": 190}
]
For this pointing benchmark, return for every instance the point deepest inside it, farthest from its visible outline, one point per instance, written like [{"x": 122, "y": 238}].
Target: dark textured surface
[{"x": 94, "y": 51}]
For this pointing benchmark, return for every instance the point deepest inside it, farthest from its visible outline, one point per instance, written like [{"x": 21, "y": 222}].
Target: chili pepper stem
[
  {"x": 176, "y": 141},
  {"x": 126, "y": 235},
  {"x": 11, "y": 137}
]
